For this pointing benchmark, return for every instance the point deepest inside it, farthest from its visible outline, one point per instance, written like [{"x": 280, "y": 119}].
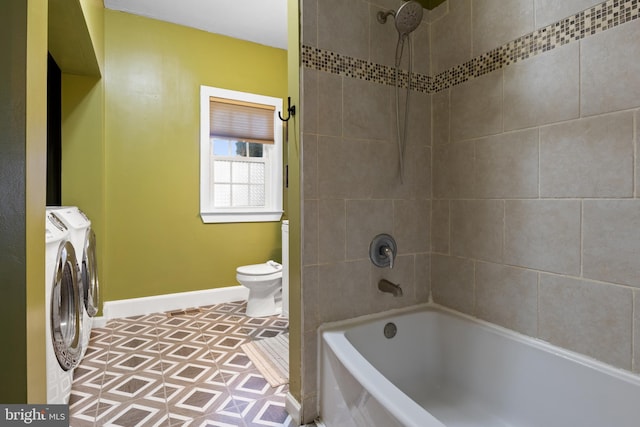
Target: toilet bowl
[{"x": 264, "y": 282}]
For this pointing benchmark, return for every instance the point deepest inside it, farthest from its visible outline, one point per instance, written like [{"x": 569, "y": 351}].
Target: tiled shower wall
[
  {"x": 351, "y": 185},
  {"x": 530, "y": 217},
  {"x": 536, "y": 187}
]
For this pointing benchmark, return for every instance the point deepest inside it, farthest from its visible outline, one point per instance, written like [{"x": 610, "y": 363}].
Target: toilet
[
  {"x": 268, "y": 283},
  {"x": 264, "y": 282}
]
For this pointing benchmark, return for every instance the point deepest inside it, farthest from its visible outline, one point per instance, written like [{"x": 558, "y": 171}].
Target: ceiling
[{"x": 258, "y": 21}]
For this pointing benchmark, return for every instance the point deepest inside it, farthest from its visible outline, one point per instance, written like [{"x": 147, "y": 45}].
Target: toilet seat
[{"x": 259, "y": 272}]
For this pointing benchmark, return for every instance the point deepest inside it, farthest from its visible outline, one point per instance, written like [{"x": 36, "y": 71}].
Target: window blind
[{"x": 244, "y": 121}]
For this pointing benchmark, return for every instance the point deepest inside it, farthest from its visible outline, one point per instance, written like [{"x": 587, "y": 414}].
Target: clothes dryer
[
  {"x": 63, "y": 310},
  {"x": 84, "y": 242}
]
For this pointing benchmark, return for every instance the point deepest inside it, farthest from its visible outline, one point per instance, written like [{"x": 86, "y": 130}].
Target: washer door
[
  {"x": 90, "y": 287},
  {"x": 66, "y": 309}
]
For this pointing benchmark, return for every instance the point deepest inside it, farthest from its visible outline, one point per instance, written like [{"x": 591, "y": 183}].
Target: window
[{"x": 240, "y": 156}]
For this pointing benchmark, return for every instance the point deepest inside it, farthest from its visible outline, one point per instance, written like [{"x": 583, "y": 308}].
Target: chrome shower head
[{"x": 408, "y": 17}]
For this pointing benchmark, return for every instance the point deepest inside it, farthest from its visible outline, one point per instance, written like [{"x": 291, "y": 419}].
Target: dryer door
[
  {"x": 66, "y": 310},
  {"x": 91, "y": 297}
]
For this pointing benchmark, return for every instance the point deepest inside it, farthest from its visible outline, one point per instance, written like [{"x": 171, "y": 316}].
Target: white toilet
[{"x": 264, "y": 282}]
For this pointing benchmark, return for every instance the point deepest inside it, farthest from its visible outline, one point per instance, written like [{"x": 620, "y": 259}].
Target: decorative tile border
[
  {"x": 335, "y": 63},
  {"x": 597, "y": 19}
]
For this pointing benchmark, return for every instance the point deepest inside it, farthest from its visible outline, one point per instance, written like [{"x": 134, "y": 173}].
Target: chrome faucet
[
  {"x": 388, "y": 252},
  {"x": 386, "y": 286}
]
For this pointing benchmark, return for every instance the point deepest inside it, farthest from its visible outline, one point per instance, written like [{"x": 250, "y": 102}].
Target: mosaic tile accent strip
[
  {"x": 178, "y": 370},
  {"x": 597, "y": 19},
  {"x": 335, "y": 63}
]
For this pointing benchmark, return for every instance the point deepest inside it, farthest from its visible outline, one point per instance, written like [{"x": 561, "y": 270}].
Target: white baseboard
[
  {"x": 99, "y": 322},
  {"x": 161, "y": 303},
  {"x": 293, "y": 407}
]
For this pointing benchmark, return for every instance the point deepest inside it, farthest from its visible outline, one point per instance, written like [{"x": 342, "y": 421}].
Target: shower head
[{"x": 408, "y": 17}]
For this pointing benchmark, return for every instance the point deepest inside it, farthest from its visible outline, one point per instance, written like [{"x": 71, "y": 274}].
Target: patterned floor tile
[
  {"x": 136, "y": 413},
  {"x": 178, "y": 369}
]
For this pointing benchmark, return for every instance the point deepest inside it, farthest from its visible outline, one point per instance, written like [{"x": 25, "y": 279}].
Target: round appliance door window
[
  {"x": 90, "y": 287},
  {"x": 66, "y": 309}
]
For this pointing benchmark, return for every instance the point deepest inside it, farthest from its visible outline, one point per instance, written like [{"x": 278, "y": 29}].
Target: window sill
[{"x": 228, "y": 217}]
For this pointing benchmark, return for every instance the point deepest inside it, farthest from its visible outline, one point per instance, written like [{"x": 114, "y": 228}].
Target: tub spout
[{"x": 386, "y": 286}]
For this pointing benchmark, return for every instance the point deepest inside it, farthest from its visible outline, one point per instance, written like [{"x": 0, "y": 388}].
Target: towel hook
[{"x": 291, "y": 109}]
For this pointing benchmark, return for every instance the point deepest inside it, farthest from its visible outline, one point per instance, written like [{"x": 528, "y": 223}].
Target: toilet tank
[{"x": 285, "y": 268}]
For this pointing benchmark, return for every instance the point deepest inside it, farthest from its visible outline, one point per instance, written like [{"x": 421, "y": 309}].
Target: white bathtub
[{"x": 446, "y": 369}]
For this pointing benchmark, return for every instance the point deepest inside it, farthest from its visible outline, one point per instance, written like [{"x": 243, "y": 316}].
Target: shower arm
[{"x": 382, "y": 15}]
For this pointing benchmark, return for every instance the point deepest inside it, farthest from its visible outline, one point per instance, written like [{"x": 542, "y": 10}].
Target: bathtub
[{"x": 445, "y": 369}]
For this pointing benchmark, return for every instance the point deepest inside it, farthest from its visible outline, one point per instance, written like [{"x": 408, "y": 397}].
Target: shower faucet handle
[
  {"x": 388, "y": 252},
  {"x": 383, "y": 251}
]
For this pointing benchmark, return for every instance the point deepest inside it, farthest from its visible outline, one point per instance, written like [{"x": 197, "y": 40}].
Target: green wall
[
  {"x": 294, "y": 203},
  {"x": 23, "y": 118},
  {"x": 154, "y": 240}
]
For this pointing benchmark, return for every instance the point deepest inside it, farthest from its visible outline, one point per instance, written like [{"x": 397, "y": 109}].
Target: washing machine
[
  {"x": 63, "y": 310},
  {"x": 83, "y": 240}
]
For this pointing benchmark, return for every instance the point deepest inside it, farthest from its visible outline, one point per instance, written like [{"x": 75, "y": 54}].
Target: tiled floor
[{"x": 185, "y": 370}]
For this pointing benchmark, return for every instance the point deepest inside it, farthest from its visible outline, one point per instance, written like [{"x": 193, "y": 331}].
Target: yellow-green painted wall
[
  {"x": 36, "y": 149},
  {"x": 155, "y": 242},
  {"x": 23, "y": 119},
  {"x": 294, "y": 204},
  {"x": 83, "y": 169}
]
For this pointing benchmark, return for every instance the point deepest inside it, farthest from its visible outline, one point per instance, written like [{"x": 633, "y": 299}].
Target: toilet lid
[{"x": 268, "y": 267}]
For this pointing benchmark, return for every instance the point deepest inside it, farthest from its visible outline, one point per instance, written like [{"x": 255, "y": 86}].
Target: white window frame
[{"x": 272, "y": 211}]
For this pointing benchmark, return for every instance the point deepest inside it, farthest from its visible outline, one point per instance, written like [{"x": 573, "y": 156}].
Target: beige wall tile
[
  {"x": 440, "y": 117},
  {"x": 477, "y": 229},
  {"x": 385, "y": 176},
  {"x": 421, "y": 41},
  {"x": 420, "y": 163},
  {"x": 588, "y": 158},
  {"x": 496, "y": 22},
  {"x": 507, "y": 296},
  {"x": 310, "y": 363},
  {"x": 340, "y": 21},
  {"x": 609, "y": 70},
  {"x": 345, "y": 290},
  {"x": 550, "y": 11},
  {"x": 411, "y": 225},
  {"x": 365, "y": 220},
  {"x": 332, "y": 236},
  {"x": 310, "y": 100},
  {"x": 419, "y": 130},
  {"x": 309, "y": 295},
  {"x": 310, "y": 232},
  {"x": 344, "y": 168},
  {"x": 507, "y": 165},
  {"x": 476, "y": 107},
  {"x": 453, "y": 170},
  {"x": 452, "y": 282},
  {"x": 310, "y": 165},
  {"x": 367, "y": 110},
  {"x": 543, "y": 89},
  {"x": 543, "y": 235},
  {"x": 636, "y": 331},
  {"x": 587, "y": 317},
  {"x": 309, "y": 24},
  {"x": 450, "y": 48},
  {"x": 440, "y": 226},
  {"x": 637, "y": 156},
  {"x": 309, "y": 408},
  {"x": 423, "y": 277},
  {"x": 611, "y": 242},
  {"x": 329, "y": 104}
]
